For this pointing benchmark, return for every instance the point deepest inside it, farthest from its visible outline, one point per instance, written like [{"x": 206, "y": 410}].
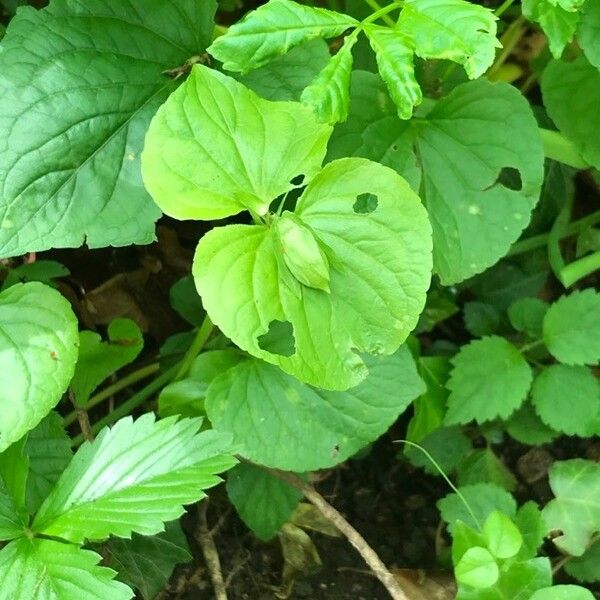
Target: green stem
[
  {"x": 509, "y": 40},
  {"x": 527, "y": 347},
  {"x": 503, "y": 7},
  {"x": 380, "y": 12},
  {"x": 201, "y": 338},
  {"x": 579, "y": 269},
  {"x": 558, "y": 147},
  {"x": 539, "y": 241},
  {"x": 111, "y": 390}
]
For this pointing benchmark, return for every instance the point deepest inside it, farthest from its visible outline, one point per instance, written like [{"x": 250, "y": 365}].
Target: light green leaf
[
  {"x": 48, "y": 448},
  {"x": 279, "y": 422},
  {"x": 329, "y": 94},
  {"x": 531, "y": 525},
  {"x": 463, "y": 538},
  {"x": 471, "y": 146},
  {"x": 80, "y": 82},
  {"x": 285, "y": 78},
  {"x": 483, "y": 466},
  {"x": 567, "y": 399},
  {"x": 133, "y": 477},
  {"x": 576, "y": 511},
  {"x": 527, "y": 315},
  {"x": 490, "y": 379},
  {"x": 99, "y": 360},
  {"x": 586, "y": 567},
  {"x": 526, "y": 427},
  {"x": 201, "y": 161},
  {"x": 477, "y": 568},
  {"x": 38, "y": 347},
  {"x": 572, "y": 328},
  {"x": 395, "y": 60},
  {"x": 455, "y": 30},
  {"x": 503, "y": 538},
  {"x": 575, "y": 114},
  {"x": 563, "y": 592},
  {"x": 374, "y": 131},
  {"x": 263, "y": 502},
  {"x": 483, "y": 498},
  {"x": 375, "y": 234},
  {"x": 558, "y": 24},
  {"x": 49, "y": 570},
  {"x": 147, "y": 563},
  {"x": 272, "y": 29},
  {"x": 589, "y": 32}
]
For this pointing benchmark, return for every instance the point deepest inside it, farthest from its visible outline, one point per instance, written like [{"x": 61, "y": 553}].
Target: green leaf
[
  {"x": 279, "y": 422},
  {"x": 263, "y": 502},
  {"x": 374, "y": 131},
  {"x": 481, "y": 318},
  {"x": 32, "y": 569},
  {"x": 185, "y": 300},
  {"x": 485, "y": 130},
  {"x": 490, "y": 379},
  {"x": 99, "y": 360},
  {"x": 483, "y": 498},
  {"x": 80, "y": 84},
  {"x": 567, "y": 399},
  {"x": 558, "y": 24},
  {"x": 447, "y": 445},
  {"x": 133, "y": 477},
  {"x": 272, "y": 29},
  {"x": 574, "y": 114},
  {"x": 503, "y": 538},
  {"x": 563, "y": 592},
  {"x": 38, "y": 347},
  {"x": 575, "y": 512},
  {"x": 483, "y": 466},
  {"x": 477, "y": 568},
  {"x": 44, "y": 271},
  {"x": 463, "y": 538},
  {"x": 451, "y": 29},
  {"x": 147, "y": 563},
  {"x": 13, "y": 476},
  {"x": 285, "y": 78},
  {"x": 527, "y": 315},
  {"x": 589, "y": 32},
  {"x": 586, "y": 567},
  {"x": 382, "y": 256},
  {"x": 329, "y": 94},
  {"x": 572, "y": 328},
  {"x": 531, "y": 525},
  {"x": 48, "y": 448},
  {"x": 198, "y": 163},
  {"x": 395, "y": 58},
  {"x": 526, "y": 427}
]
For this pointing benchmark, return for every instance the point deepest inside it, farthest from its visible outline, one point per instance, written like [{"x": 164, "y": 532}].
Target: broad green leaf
[
  {"x": 483, "y": 498},
  {"x": 375, "y": 234},
  {"x": 527, "y": 315},
  {"x": 272, "y": 29},
  {"x": 589, "y": 32},
  {"x": 263, "y": 502},
  {"x": 477, "y": 568},
  {"x": 38, "y": 347},
  {"x": 395, "y": 60},
  {"x": 575, "y": 114},
  {"x": 503, "y": 538},
  {"x": 132, "y": 478},
  {"x": 575, "y": 512},
  {"x": 526, "y": 427},
  {"x": 447, "y": 445},
  {"x": 531, "y": 525},
  {"x": 147, "y": 562},
  {"x": 563, "y": 592},
  {"x": 286, "y": 77},
  {"x": 185, "y": 300},
  {"x": 567, "y": 399},
  {"x": 49, "y": 570},
  {"x": 455, "y": 30},
  {"x": 463, "y": 538},
  {"x": 279, "y": 422},
  {"x": 586, "y": 567},
  {"x": 48, "y": 448},
  {"x": 99, "y": 360},
  {"x": 572, "y": 328},
  {"x": 558, "y": 23},
  {"x": 80, "y": 82},
  {"x": 329, "y": 94},
  {"x": 202, "y": 160},
  {"x": 490, "y": 379},
  {"x": 44, "y": 271},
  {"x": 471, "y": 146},
  {"x": 374, "y": 131},
  {"x": 13, "y": 476},
  {"x": 483, "y": 466}
]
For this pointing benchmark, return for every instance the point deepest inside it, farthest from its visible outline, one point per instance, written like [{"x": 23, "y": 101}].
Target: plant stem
[
  {"x": 111, "y": 390},
  {"x": 330, "y": 513},
  {"x": 377, "y": 8},
  {"x": 503, "y": 7},
  {"x": 539, "y": 241},
  {"x": 509, "y": 40},
  {"x": 201, "y": 338},
  {"x": 83, "y": 418},
  {"x": 579, "y": 269},
  {"x": 559, "y": 148},
  {"x": 527, "y": 347},
  {"x": 211, "y": 555}
]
